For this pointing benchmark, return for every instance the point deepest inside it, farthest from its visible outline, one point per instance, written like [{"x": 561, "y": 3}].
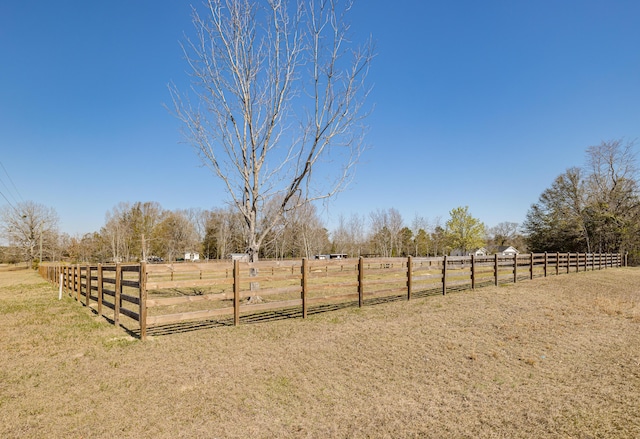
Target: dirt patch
[{"x": 555, "y": 357}]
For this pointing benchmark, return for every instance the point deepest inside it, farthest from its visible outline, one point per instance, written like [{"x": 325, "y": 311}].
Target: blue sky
[{"x": 478, "y": 104}]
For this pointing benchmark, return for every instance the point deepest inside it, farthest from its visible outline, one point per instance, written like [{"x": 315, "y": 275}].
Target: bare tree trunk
[{"x": 275, "y": 92}]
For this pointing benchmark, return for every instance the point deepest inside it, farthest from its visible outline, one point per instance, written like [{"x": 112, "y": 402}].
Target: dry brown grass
[{"x": 556, "y": 357}]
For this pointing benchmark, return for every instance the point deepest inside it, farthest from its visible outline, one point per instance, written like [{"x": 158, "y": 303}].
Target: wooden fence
[{"x": 153, "y": 295}]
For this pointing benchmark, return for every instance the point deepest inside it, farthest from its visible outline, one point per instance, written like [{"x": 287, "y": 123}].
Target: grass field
[{"x": 551, "y": 358}]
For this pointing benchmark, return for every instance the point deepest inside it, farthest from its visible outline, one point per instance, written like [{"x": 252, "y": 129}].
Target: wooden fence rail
[{"x": 152, "y": 295}]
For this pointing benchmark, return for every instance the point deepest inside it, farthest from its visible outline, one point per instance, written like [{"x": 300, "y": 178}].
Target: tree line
[
  {"x": 142, "y": 231},
  {"x": 593, "y": 208}
]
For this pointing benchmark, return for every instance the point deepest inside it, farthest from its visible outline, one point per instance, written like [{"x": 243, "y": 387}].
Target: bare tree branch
[{"x": 279, "y": 91}]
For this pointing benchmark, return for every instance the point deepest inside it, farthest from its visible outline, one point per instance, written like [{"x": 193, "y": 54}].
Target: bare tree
[
  {"x": 504, "y": 233},
  {"x": 341, "y": 237},
  {"x": 613, "y": 195},
  {"x": 349, "y": 235},
  {"x": 275, "y": 107},
  {"x": 115, "y": 232},
  {"x": 129, "y": 229},
  {"x": 385, "y": 229},
  {"x": 30, "y": 227}
]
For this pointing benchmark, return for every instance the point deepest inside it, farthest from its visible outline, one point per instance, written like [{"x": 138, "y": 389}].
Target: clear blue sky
[{"x": 478, "y": 103}]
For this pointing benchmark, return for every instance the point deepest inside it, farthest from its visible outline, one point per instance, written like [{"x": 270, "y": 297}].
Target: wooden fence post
[
  {"x": 360, "y": 282},
  {"x": 409, "y": 277},
  {"x": 236, "y": 292},
  {"x": 88, "y": 284},
  {"x": 626, "y": 259},
  {"x": 100, "y": 282},
  {"x": 473, "y": 271},
  {"x": 495, "y": 268},
  {"x": 142, "y": 312},
  {"x": 444, "y": 275},
  {"x": 578, "y": 262},
  {"x": 78, "y": 282},
  {"x": 515, "y": 268},
  {"x": 65, "y": 272},
  {"x": 568, "y": 263},
  {"x": 303, "y": 285},
  {"x": 74, "y": 282},
  {"x": 546, "y": 263},
  {"x": 118, "y": 292},
  {"x": 531, "y": 267},
  {"x": 557, "y": 263}
]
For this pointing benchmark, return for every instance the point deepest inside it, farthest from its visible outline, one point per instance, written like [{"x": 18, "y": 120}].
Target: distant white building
[
  {"x": 332, "y": 256},
  {"x": 507, "y": 250},
  {"x": 192, "y": 256},
  {"x": 476, "y": 252}
]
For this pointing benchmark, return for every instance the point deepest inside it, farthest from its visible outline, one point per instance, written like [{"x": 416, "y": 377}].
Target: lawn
[{"x": 555, "y": 357}]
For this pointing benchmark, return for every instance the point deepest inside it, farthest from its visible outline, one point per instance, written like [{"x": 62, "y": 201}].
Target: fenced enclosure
[{"x": 141, "y": 297}]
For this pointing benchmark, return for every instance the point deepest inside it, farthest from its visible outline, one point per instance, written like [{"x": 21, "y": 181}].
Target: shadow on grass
[
  {"x": 284, "y": 313},
  {"x": 292, "y": 313}
]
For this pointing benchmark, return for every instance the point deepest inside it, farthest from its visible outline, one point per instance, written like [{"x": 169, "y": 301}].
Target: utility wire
[
  {"x": 9, "y": 202},
  {"x": 8, "y": 191},
  {"x": 15, "y": 188}
]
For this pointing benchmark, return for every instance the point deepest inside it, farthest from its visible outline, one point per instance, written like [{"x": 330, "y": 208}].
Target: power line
[
  {"x": 12, "y": 183},
  {"x": 9, "y": 202},
  {"x": 8, "y": 191}
]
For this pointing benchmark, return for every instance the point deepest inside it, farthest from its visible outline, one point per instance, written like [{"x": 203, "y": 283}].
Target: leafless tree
[
  {"x": 504, "y": 233},
  {"x": 385, "y": 228},
  {"x": 275, "y": 107},
  {"x": 129, "y": 229},
  {"x": 613, "y": 195},
  {"x": 30, "y": 227}
]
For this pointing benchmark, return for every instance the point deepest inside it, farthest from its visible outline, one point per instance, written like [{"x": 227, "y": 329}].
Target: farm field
[{"x": 555, "y": 357}]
